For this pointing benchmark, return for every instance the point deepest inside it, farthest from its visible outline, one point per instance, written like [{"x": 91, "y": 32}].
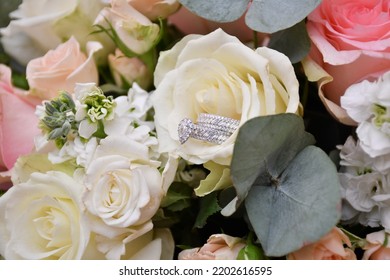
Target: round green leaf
[
  {"x": 266, "y": 145},
  {"x": 262, "y": 14},
  {"x": 217, "y": 10},
  {"x": 294, "y": 42},
  {"x": 297, "y": 207}
]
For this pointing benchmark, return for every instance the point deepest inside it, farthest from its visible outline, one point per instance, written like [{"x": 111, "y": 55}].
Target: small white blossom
[
  {"x": 78, "y": 149},
  {"x": 368, "y": 103},
  {"x": 130, "y": 119},
  {"x": 365, "y": 182}
]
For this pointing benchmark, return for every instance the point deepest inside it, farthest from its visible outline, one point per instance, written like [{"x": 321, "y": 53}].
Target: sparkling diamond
[{"x": 185, "y": 129}]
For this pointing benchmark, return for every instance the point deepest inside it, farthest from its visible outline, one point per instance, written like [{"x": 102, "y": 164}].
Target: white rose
[
  {"x": 217, "y": 74},
  {"x": 42, "y": 218},
  {"x": 137, "y": 243},
  {"x": 124, "y": 191},
  {"x": 39, "y": 26}
]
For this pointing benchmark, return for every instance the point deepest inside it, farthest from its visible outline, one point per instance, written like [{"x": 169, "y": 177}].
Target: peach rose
[
  {"x": 126, "y": 70},
  {"x": 351, "y": 42},
  {"x": 153, "y": 9},
  {"x": 38, "y": 26},
  {"x": 377, "y": 247},
  {"x": 218, "y": 247},
  {"x": 130, "y": 28},
  {"x": 189, "y": 23},
  {"x": 18, "y": 123},
  {"x": 61, "y": 68},
  {"x": 329, "y": 247}
]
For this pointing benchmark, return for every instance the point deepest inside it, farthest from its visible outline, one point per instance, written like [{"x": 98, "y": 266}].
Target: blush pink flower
[
  {"x": 154, "y": 9},
  {"x": 18, "y": 123},
  {"x": 351, "y": 42},
  {"x": 377, "y": 247},
  {"x": 61, "y": 68},
  {"x": 218, "y": 247},
  {"x": 127, "y": 70},
  {"x": 329, "y": 247}
]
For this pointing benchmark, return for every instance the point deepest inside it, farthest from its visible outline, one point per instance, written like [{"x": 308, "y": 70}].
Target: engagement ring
[{"x": 210, "y": 128}]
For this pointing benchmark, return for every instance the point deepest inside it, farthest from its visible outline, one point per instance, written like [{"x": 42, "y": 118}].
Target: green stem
[
  {"x": 305, "y": 94},
  {"x": 255, "y": 39}
]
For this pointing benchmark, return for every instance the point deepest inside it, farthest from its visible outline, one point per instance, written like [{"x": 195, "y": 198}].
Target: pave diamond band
[{"x": 210, "y": 128}]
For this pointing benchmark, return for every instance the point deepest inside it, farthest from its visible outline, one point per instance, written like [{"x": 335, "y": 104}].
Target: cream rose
[
  {"x": 217, "y": 74},
  {"x": 124, "y": 189},
  {"x": 61, "y": 69},
  {"x": 155, "y": 9},
  {"x": 39, "y": 26},
  {"x": 140, "y": 242},
  {"x": 218, "y": 247},
  {"x": 43, "y": 218}
]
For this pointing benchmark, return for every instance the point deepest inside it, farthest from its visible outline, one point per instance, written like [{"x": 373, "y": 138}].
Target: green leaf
[
  {"x": 251, "y": 251},
  {"x": 19, "y": 81},
  {"x": 217, "y": 10},
  {"x": 208, "y": 206},
  {"x": 293, "y": 42},
  {"x": 298, "y": 206},
  {"x": 270, "y": 16},
  {"x": 265, "y": 145},
  {"x": 178, "y": 197}
]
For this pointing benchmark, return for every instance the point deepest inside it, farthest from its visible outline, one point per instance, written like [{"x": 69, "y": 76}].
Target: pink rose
[
  {"x": 18, "y": 123},
  {"x": 126, "y": 70},
  {"x": 154, "y": 9},
  {"x": 189, "y": 23},
  {"x": 61, "y": 69},
  {"x": 351, "y": 42},
  {"x": 329, "y": 247},
  {"x": 377, "y": 247},
  {"x": 218, "y": 247}
]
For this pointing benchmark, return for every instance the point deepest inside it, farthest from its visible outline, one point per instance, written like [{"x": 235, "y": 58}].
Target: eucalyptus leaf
[
  {"x": 294, "y": 42},
  {"x": 265, "y": 145},
  {"x": 298, "y": 206},
  {"x": 217, "y": 10},
  {"x": 270, "y": 16}
]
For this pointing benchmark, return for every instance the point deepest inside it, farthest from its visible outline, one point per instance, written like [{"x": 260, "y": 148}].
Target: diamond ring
[{"x": 210, "y": 128}]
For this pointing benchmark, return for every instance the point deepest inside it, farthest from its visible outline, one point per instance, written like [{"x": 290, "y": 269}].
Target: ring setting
[{"x": 208, "y": 127}]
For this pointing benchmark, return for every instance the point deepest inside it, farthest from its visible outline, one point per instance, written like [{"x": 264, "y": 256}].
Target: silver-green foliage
[{"x": 290, "y": 188}]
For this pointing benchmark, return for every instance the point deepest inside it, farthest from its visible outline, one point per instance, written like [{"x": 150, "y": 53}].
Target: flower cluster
[{"x": 96, "y": 96}]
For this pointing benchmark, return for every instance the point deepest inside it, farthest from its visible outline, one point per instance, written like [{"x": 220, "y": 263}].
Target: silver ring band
[{"x": 210, "y": 128}]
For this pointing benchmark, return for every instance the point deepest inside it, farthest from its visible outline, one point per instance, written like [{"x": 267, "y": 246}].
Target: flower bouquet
[{"x": 195, "y": 129}]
